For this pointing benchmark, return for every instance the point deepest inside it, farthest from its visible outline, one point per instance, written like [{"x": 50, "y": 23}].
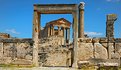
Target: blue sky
[{"x": 16, "y": 16}]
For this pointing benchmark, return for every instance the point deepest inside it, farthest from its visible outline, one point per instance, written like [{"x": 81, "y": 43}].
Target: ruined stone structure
[
  {"x": 4, "y": 35},
  {"x": 60, "y": 27},
  {"x": 16, "y": 51},
  {"x": 53, "y": 9},
  {"x": 47, "y": 47},
  {"x": 111, "y": 18},
  {"x": 81, "y": 20}
]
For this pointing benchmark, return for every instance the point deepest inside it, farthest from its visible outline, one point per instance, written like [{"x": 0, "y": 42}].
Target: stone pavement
[{"x": 37, "y": 68}]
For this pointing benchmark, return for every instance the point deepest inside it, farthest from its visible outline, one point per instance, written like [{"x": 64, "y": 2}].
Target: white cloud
[
  {"x": 12, "y": 31},
  {"x": 93, "y": 33}
]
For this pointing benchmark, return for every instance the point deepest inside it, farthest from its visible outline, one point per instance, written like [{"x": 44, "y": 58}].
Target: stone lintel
[{"x": 51, "y": 8}]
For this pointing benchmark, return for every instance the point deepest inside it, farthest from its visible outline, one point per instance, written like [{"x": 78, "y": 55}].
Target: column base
[{"x": 75, "y": 65}]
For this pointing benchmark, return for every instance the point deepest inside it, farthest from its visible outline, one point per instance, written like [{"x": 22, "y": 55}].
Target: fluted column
[{"x": 81, "y": 20}]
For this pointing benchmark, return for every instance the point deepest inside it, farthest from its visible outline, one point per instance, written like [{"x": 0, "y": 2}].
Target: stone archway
[{"x": 56, "y": 9}]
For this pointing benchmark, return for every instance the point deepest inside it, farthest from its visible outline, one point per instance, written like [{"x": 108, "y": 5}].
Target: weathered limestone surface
[
  {"x": 1, "y": 50},
  {"x": 51, "y": 41},
  {"x": 58, "y": 58},
  {"x": 9, "y": 50},
  {"x": 85, "y": 51},
  {"x": 118, "y": 48},
  {"x": 100, "y": 51},
  {"x": 111, "y": 18},
  {"x": 53, "y": 53},
  {"x": 15, "y": 49},
  {"x": 92, "y": 48}
]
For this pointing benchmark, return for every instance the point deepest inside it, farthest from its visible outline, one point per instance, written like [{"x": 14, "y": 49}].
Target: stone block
[
  {"x": 118, "y": 40},
  {"x": 85, "y": 51},
  {"x": 95, "y": 40},
  {"x": 100, "y": 52},
  {"x": 103, "y": 40},
  {"x": 88, "y": 40}
]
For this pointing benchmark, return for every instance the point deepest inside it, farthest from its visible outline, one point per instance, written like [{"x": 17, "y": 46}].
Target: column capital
[{"x": 81, "y": 5}]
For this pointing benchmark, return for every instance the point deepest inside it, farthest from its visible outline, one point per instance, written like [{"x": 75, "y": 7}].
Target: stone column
[
  {"x": 111, "y": 18},
  {"x": 52, "y": 29},
  {"x": 58, "y": 30},
  {"x": 68, "y": 33},
  {"x": 81, "y": 20},
  {"x": 48, "y": 31},
  {"x": 36, "y": 25},
  {"x": 36, "y": 34},
  {"x": 63, "y": 32},
  {"x": 75, "y": 39},
  {"x": 64, "y": 35}
]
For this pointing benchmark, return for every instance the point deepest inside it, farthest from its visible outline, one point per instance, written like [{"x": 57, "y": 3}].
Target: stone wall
[
  {"x": 53, "y": 52},
  {"x": 16, "y": 51},
  {"x": 98, "y": 48}
]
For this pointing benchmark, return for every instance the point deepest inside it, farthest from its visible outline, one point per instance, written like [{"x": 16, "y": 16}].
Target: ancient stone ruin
[{"x": 51, "y": 47}]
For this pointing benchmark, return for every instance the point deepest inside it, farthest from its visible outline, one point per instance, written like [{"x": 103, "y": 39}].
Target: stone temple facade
[{"x": 50, "y": 46}]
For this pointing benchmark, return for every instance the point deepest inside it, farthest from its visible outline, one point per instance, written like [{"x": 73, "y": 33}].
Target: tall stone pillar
[
  {"x": 36, "y": 35},
  {"x": 75, "y": 39},
  {"x": 111, "y": 18},
  {"x": 81, "y": 20},
  {"x": 36, "y": 25}
]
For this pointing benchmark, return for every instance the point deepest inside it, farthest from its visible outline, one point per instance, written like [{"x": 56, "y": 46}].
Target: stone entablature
[
  {"x": 62, "y": 26},
  {"x": 63, "y": 29}
]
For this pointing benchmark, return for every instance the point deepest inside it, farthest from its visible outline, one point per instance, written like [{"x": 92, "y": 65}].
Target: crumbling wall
[
  {"x": 97, "y": 48},
  {"x": 53, "y": 52},
  {"x": 16, "y": 51}
]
